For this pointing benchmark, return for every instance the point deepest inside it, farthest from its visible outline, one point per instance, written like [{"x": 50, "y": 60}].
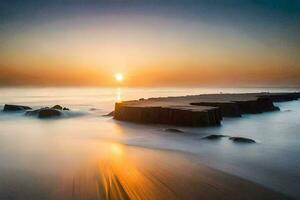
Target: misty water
[{"x": 70, "y": 157}]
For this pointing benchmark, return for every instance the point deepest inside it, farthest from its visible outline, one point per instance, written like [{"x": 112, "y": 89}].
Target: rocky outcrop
[
  {"x": 12, "y": 108},
  {"x": 111, "y": 114},
  {"x": 59, "y": 107},
  {"x": 283, "y": 96},
  {"x": 260, "y": 105},
  {"x": 168, "y": 115},
  {"x": 198, "y": 110},
  {"x": 44, "y": 113},
  {"x": 234, "y": 139},
  {"x": 34, "y": 112},
  {"x": 227, "y": 109},
  {"x": 242, "y": 140},
  {"x": 173, "y": 130},
  {"x": 237, "y": 108},
  {"x": 214, "y": 137},
  {"x": 48, "y": 113}
]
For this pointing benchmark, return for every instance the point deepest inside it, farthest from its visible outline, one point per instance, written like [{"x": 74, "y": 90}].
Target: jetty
[{"x": 198, "y": 110}]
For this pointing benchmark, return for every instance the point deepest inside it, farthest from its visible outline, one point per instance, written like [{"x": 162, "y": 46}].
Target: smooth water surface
[{"x": 85, "y": 155}]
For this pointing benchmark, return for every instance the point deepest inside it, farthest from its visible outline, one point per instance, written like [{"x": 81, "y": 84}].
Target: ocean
[{"x": 70, "y": 157}]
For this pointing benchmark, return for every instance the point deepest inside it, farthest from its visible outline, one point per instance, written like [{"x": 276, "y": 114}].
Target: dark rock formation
[
  {"x": 49, "y": 113},
  {"x": 57, "y": 107},
  {"x": 281, "y": 97},
  {"x": 287, "y": 111},
  {"x": 111, "y": 114},
  {"x": 32, "y": 112},
  {"x": 227, "y": 109},
  {"x": 260, "y": 105},
  {"x": 242, "y": 140},
  {"x": 11, "y": 108},
  {"x": 214, "y": 137},
  {"x": 198, "y": 110},
  {"x": 173, "y": 130},
  {"x": 44, "y": 113},
  {"x": 168, "y": 115}
]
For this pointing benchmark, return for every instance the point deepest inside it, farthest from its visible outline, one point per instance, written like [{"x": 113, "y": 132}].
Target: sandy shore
[
  {"x": 134, "y": 173},
  {"x": 138, "y": 173},
  {"x": 115, "y": 171}
]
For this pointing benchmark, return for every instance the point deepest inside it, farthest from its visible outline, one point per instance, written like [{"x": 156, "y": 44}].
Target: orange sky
[{"x": 149, "y": 51}]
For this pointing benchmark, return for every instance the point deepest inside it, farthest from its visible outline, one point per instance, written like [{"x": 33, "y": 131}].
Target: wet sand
[
  {"x": 126, "y": 172},
  {"x": 169, "y": 175}
]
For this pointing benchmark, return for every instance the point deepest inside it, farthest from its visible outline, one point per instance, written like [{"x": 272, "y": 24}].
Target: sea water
[{"x": 46, "y": 156}]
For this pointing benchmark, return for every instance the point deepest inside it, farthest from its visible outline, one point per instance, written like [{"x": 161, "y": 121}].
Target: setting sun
[{"x": 119, "y": 77}]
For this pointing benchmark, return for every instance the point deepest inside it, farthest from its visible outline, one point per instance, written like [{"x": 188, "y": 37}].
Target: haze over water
[
  {"x": 88, "y": 54},
  {"x": 87, "y": 156}
]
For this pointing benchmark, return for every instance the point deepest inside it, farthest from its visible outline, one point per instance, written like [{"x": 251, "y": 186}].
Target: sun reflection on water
[
  {"x": 115, "y": 173},
  {"x": 119, "y": 95},
  {"x": 122, "y": 178}
]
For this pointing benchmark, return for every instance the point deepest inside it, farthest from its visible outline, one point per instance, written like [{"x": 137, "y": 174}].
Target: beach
[{"x": 86, "y": 155}]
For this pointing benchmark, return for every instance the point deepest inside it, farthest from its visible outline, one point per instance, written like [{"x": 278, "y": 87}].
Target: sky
[{"x": 152, "y": 43}]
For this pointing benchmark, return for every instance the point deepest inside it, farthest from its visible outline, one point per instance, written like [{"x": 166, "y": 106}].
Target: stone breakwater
[{"x": 198, "y": 110}]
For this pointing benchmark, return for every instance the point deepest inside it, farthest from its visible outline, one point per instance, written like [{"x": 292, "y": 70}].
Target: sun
[{"x": 119, "y": 77}]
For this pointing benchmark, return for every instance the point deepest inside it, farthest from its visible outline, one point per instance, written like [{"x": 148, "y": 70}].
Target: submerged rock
[
  {"x": 11, "y": 108},
  {"x": 242, "y": 140},
  {"x": 287, "y": 111},
  {"x": 58, "y": 107},
  {"x": 48, "y": 113},
  {"x": 111, "y": 114},
  {"x": 32, "y": 112},
  {"x": 173, "y": 130},
  {"x": 44, "y": 113},
  {"x": 214, "y": 137}
]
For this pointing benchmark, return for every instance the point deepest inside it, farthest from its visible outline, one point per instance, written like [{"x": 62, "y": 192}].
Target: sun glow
[{"x": 119, "y": 77}]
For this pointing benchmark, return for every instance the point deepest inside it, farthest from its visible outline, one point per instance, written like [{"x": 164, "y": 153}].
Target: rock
[
  {"x": 287, "y": 111},
  {"x": 111, "y": 114},
  {"x": 11, "y": 108},
  {"x": 32, "y": 112},
  {"x": 35, "y": 112},
  {"x": 45, "y": 112},
  {"x": 173, "y": 130},
  {"x": 179, "y": 116},
  {"x": 227, "y": 109},
  {"x": 283, "y": 97},
  {"x": 214, "y": 137},
  {"x": 58, "y": 107},
  {"x": 48, "y": 113},
  {"x": 197, "y": 110},
  {"x": 242, "y": 140}
]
